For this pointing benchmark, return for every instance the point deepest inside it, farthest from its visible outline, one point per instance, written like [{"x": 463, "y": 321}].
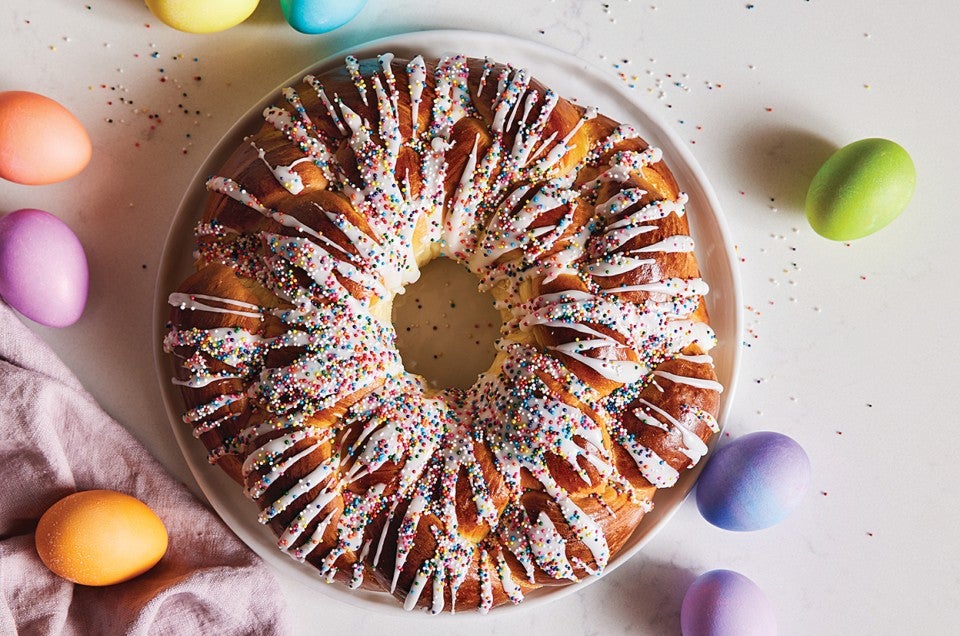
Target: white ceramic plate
[{"x": 569, "y": 77}]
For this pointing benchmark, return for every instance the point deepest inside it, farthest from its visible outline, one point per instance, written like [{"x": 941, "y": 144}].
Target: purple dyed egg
[
  {"x": 726, "y": 603},
  {"x": 43, "y": 268},
  {"x": 754, "y": 482}
]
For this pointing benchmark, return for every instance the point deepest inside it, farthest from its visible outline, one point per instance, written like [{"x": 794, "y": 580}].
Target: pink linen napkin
[{"x": 55, "y": 440}]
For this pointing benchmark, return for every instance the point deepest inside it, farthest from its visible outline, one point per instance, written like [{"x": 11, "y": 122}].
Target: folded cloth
[{"x": 55, "y": 440}]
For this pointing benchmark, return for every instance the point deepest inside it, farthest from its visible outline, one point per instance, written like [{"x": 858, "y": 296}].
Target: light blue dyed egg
[
  {"x": 754, "y": 482},
  {"x": 726, "y": 603},
  {"x": 320, "y": 16}
]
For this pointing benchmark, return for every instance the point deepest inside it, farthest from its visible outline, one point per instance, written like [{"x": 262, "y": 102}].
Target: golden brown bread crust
[{"x": 602, "y": 390}]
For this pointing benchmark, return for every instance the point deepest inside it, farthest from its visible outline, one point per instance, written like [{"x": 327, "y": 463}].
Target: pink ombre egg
[{"x": 43, "y": 268}]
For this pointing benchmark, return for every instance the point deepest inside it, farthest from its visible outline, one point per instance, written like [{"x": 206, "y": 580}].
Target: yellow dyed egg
[
  {"x": 100, "y": 537},
  {"x": 202, "y": 16},
  {"x": 41, "y": 142}
]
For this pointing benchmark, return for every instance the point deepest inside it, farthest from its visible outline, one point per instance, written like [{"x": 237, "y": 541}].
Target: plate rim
[{"x": 211, "y": 480}]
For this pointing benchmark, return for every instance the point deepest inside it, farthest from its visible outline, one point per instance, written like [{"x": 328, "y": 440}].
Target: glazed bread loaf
[{"x": 602, "y": 390}]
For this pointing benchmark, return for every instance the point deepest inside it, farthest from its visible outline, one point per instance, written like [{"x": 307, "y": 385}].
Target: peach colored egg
[
  {"x": 100, "y": 537},
  {"x": 41, "y": 142}
]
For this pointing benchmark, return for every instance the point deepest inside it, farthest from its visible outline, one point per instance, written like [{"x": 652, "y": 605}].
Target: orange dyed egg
[
  {"x": 41, "y": 142},
  {"x": 100, "y": 537}
]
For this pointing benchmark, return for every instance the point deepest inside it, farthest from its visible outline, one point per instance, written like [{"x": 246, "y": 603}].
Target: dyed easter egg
[
  {"x": 202, "y": 16},
  {"x": 43, "y": 268},
  {"x": 754, "y": 482},
  {"x": 726, "y": 603},
  {"x": 100, "y": 537},
  {"x": 320, "y": 16},
  {"x": 860, "y": 189},
  {"x": 41, "y": 142}
]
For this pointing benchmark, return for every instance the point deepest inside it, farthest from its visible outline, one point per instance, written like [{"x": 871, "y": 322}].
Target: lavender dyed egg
[
  {"x": 726, "y": 603},
  {"x": 754, "y": 482},
  {"x": 320, "y": 16},
  {"x": 43, "y": 269}
]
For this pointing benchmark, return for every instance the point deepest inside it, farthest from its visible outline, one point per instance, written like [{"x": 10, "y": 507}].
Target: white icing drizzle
[
  {"x": 204, "y": 426},
  {"x": 700, "y": 383},
  {"x": 671, "y": 287},
  {"x": 652, "y": 212},
  {"x": 508, "y": 98},
  {"x": 353, "y": 67},
  {"x": 451, "y": 96},
  {"x": 334, "y": 117},
  {"x": 653, "y": 467},
  {"x": 510, "y": 587},
  {"x": 230, "y": 188},
  {"x": 386, "y": 67},
  {"x": 549, "y": 548},
  {"x": 205, "y": 410},
  {"x": 486, "y": 585},
  {"x": 256, "y": 489},
  {"x": 193, "y": 303},
  {"x": 285, "y": 175},
  {"x": 458, "y": 236},
  {"x": 616, "y": 265},
  {"x": 297, "y": 132},
  {"x": 416, "y": 589},
  {"x": 294, "y": 100},
  {"x": 417, "y": 74},
  {"x": 487, "y": 67},
  {"x": 694, "y": 448},
  {"x": 583, "y": 526},
  {"x": 436, "y": 604},
  {"x": 703, "y": 358},
  {"x": 293, "y": 532},
  {"x": 624, "y": 371},
  {"x": 316, "y": 477},
  {"x": 232, "y": 346},
  {"x": 408, "y": 529},
  {"x": 201, "y": 380},
  {"x": 356, "y": 580},
  {"x": 620, "y": 202},
  {"x": 558, "y": 151},
  {"x": 707, "y": 419},
  {"x": 272, "y": 449},
  {"x": 530, "y": 136},
  {"x": 383, "y": 536}
]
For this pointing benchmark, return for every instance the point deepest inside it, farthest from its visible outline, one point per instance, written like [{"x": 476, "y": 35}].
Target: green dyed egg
[{"x": 860, "y": 189}]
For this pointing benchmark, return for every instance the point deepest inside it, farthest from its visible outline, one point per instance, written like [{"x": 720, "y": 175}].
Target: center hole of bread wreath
[{"x": 446, "y": 329}]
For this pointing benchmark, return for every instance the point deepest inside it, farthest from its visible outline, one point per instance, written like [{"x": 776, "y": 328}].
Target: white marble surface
[{"x": 850, "y": 349}]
